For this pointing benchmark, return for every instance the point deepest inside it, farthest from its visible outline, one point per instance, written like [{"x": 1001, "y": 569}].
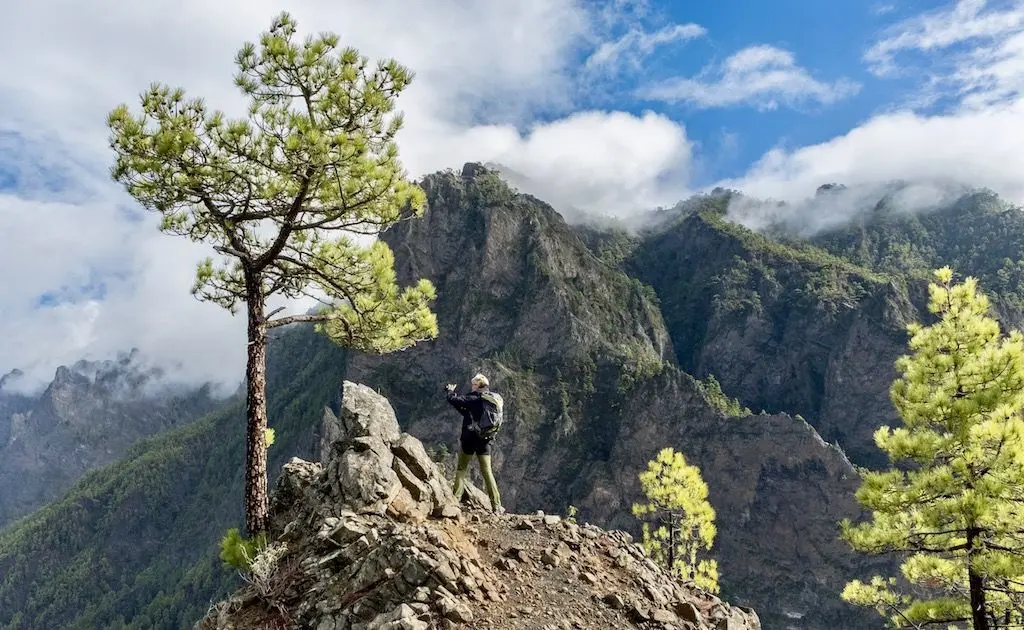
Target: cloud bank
[
  {"x": 94, "y": 276},
  {"x": 504, "y": 82},
  {"x": 974, "y": 55}
]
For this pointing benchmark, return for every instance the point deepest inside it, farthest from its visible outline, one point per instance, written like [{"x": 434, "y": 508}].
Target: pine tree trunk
[
  {"x": 976, "y": 585},
  {"x": 978, "y": 616},
  {"x": 672, "y": 543},
  {"x": 256, "y": 501}
]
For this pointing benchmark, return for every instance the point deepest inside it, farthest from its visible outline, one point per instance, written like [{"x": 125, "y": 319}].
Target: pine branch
[{"x": 293, "y": 319}]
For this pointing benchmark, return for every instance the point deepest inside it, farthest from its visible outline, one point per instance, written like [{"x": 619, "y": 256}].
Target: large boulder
[
  {"x": 368, "y": 466},
  {"x": 365, "y": 413}
]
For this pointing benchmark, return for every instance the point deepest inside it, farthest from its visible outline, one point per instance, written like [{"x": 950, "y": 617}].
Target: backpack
[{"x": 491, "y": 419}]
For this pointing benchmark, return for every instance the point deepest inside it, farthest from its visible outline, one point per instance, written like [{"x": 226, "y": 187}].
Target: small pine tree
[
  {"x": 713, "y": 390},
  {"x": 956, "y": 511},
  {"x": 684, "y": 520},
  {"x": 237, "y": 551}
]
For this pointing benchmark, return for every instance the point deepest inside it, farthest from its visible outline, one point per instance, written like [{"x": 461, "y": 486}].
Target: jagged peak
[
  {"x": 831, "y": 187},
  {"x": 490, "y": 250},
  {"x": 11, "y": 379}
]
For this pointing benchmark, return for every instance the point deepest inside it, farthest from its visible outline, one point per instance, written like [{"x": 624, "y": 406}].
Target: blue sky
[
  {"x": 827, "y": 38},
  {"x": 610, "y": 107}
]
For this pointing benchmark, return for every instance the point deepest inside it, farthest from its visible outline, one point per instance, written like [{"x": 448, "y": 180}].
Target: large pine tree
[
  {"x": 281, "y": 194},
  {"x": 954, "y": 508}
]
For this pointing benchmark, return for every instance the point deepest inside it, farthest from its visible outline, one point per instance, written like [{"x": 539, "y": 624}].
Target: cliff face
[
  {"x": 812, "y": 325},
  {"x": 86, "y": 418},
  {"x": 782, "y": 329},
  {"x": 580, "y": 353},
  {"x": 372, "y": 539},
  {"x": 778, "y": 491}
]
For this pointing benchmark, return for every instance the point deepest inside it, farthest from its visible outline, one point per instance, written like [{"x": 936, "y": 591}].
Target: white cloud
[
  {"x": 762, "y": 76},
  {"x": 481, "y": 68},
  {"x": 630, "y": 49},
  {"x": 943, "y": 152},
  {"x": 599, "y": 161},
  {"x": 938, "y": 30},
  {"x": 144, "y": 300},
  {"x": 968, "y": 51},
  {"x": 991, "y": 75}
]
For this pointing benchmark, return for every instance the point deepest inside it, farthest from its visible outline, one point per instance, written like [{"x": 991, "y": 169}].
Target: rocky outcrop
[
  {"x": 372, "y": 539},
  {"x": 370, "y": 468}
]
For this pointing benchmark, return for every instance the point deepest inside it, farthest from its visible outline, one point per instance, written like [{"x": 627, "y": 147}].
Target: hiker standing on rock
[{"x": 481, "y": 411}]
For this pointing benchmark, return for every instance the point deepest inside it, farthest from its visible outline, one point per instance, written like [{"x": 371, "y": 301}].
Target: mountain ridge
[
  {"x": 597, "y": 378},
  {"x": 85, "y": 418},
  {"x": 371, "y": 538}
]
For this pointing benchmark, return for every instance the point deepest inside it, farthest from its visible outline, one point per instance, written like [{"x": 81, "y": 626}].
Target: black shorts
[{"x": 473, "y": 444}]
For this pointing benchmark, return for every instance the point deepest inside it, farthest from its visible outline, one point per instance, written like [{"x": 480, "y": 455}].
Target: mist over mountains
[{"x": 831, "y": 207}]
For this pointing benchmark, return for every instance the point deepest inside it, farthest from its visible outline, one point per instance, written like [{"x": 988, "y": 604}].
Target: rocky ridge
[
  {"x": 371, "y": 538},
  {"x": 782, "y": 330}
]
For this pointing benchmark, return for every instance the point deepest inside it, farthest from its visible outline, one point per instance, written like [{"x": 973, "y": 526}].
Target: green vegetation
[
  {"x": 677, "y": 499},
  {"x": 955, "y": 512},
  {"x": 135, "y": 545},
  {"x": 238, "y": 552},
  {"x": 280, "y": 195},
  {"x": 829, "y": 283},
  {"x": 978, "y": 235},
  {"x": 712, "y": 390},
  {"x": 491, "y": 190},
  {"x": 612, "y": 245},
  {"x": 794, "y": 250},
  {"x": 738, "y": 288}
]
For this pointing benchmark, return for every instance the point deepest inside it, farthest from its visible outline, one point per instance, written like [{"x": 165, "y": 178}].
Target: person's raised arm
[{"x": 459, "y": 402}]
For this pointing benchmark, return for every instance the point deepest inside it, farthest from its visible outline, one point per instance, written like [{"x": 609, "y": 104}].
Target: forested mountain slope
[
  {"x": 86, "y": 418},
  {"x": 134, "y": 544}
]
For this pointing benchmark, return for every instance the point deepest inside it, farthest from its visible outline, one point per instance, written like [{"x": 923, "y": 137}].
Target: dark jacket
[{"x": 471, "y": 406}]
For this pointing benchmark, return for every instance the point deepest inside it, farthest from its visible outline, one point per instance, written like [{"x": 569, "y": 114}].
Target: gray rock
[
  {"x": 369, "y": 486},
  {"x": 614, "y": 601},
  {"x": 411, "y": 452},
  {"x": 475, "y": 497},
  {"x": 364, "y": 412},
  {"x": 550, "y": 558},
  {"x": 330, "y": 432},
  {"x": 688, "y": 612},
  {"x": 454, "y": 611},
  {"x": 412, "y": 482},
  {"x": 406, "y": 508},
  {"x": 374, "y": 444},
  {"x": 297, "y": 491}
]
